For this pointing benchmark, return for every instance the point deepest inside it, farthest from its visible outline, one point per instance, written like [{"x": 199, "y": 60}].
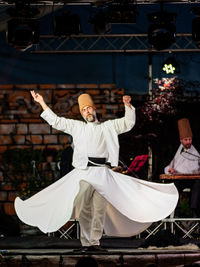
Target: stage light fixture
[
  {"x": 170, "y": 66},
  {"x": 196, "y": 25},
  {"x": 66, "y": 24},
  {"x": 162, "y": 32},
  {"x": 100, "y": 22},
  {"x": 22, "y": 33},
  {"x": 23, "y": 29},
  {"x": 196, "y": 31},
  {"x": 122, "y": 13},
  {"x": 22, "y": 10}
]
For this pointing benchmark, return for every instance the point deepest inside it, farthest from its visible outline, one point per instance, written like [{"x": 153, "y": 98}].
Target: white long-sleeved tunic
[
  {"x": 132, "y": 204},
  {"x": 81, "y": 131},
  {"x": 184, "y": 162}
]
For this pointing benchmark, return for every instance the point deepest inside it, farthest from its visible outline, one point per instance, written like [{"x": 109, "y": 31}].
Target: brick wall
[{"x": 21, "y": 125}]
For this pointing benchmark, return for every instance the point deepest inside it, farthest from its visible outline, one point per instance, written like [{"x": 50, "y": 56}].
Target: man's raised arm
[
  {"x": 127, "y": 100},
  {"x": 39, "y": 99}
]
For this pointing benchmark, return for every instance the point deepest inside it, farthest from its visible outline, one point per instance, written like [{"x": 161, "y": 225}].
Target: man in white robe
[
  {"x": 186, "y": 161},
  {"x": 99, "y": 197}
]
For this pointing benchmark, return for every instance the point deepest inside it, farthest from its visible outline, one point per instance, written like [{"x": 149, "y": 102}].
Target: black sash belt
[{"x": 100, "y": 161}]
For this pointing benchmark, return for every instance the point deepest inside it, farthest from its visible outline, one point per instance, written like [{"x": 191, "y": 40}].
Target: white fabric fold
[{"x": 132, "y": 204}]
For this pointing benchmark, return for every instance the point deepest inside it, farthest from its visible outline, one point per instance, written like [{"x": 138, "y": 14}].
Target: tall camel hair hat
[
  {"x": 85, "y": 100},
  {"x": 184, "y": 128}
]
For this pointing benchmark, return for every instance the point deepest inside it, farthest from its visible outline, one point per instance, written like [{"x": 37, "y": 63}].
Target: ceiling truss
[{"x": 110, "y": 43}]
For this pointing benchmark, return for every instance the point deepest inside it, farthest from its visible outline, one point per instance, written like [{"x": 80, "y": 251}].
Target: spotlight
[
  {"x": 170, "y": 66},
  {"x": 195, "y": 10},
  {"x": 66, "y": 24},
  {"x": 196, "y": 25},
  {"x": 121, "y": 13},
  {"x": 161, "y": 34},
  {"x": 196, "y": 31},
  {"x": 22, "y": 9},
  {"x": 100, "y": 23},
  {"x": 22, "y": 32},
  {"x": 23, "y": 29}
]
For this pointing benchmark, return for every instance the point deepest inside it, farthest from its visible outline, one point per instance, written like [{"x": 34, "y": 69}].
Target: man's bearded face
[
  {"x": 186, "y": 142},
  {"x": 89, "y": 114}
]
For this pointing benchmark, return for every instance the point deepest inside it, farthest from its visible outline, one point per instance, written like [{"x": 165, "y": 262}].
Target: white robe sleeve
[
  {"x": 126, "y": 123},
  {"x": 59, "y": 123},
  {"x": 172, "y": 163}
]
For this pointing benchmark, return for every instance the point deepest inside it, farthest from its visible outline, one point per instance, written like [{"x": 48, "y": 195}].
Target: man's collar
[{"x": 93, "y": 122}]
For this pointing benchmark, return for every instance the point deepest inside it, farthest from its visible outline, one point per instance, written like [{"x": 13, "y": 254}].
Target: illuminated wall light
[{"x": 170, "y": 66}]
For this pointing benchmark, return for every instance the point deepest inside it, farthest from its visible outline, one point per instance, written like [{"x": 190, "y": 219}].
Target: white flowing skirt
[{"x": 132, "y": 204}]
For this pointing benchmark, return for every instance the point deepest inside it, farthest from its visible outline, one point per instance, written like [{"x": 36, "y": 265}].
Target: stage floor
[{"x": 51, "y": 251}]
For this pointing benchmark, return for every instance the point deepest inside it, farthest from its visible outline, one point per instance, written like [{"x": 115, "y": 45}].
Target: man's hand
[
  {"x": 127, "y": 100},
  {"x": 117, "y": 169},
  {"x": 39, "y": 99},
  {"x": 171, "y": 171}
]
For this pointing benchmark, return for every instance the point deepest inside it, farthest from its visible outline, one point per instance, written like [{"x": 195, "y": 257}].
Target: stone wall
[{"x": 21, "y": 125}]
